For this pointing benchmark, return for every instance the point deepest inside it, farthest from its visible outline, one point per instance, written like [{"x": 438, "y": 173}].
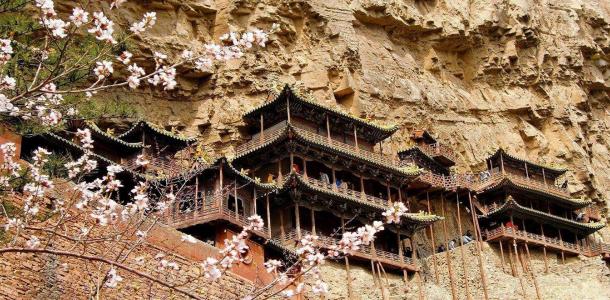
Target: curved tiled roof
[
  {"x": 100, "y": 133},
  {"x": 507, "y": 181},
  {"x": 267, "y": 187},
  {"x": 418, "y": 218},
  {"x": 553, "y": 171},
  {"x": 156, "y": 129},
  {"x": 511, "y": 205},
  {"x": 398, "y": 170},
  {"x": 57, "y": 138},
  {"x": 419, "y": 151},
  {"x": 287, "y": 91}
]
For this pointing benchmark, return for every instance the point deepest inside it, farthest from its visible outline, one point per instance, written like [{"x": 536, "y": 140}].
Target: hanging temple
[{"x": 307, "y": 168}]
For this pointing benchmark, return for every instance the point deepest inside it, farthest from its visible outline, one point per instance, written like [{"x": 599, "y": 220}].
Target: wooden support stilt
[
  {"x": 517, "y": 272},
  {"x": 350, "y": 293},
  {"x": 510, "y": 260},
  {"x": 235, "y": 199},
  {"x": 313, "y": 222},
  {"x": 297, "y": 219},
  {"x": 546, "y": 264},
  {"x": 282, "y": 230},
  {"x": 381, "y": 285},
  {"x": 449, "y": 268},
  {"x": 347, "y": 269},
  {"x": 421, "y": 286},
  {"x": 432, "y": 239},
  {"x": 502, "y": 255},
  {"x": 459, "y": 219},
  {"x": 479, "y": 242},
  {"x": 532, "y": 272},
  {"x": 254, "y": 200},
  {"x": 268, "y": 215}
]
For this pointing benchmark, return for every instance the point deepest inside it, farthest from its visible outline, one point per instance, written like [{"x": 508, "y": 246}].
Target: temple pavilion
[{"x": 522, "y": 202}]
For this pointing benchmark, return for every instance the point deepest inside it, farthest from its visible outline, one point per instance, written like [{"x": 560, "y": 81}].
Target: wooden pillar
[
  {"x": 518, "y": 274},
  {"x": 291, "y": 162},
  {"x": 347, "y": 270},
  {"x": 235, "y": 199},
  {"x": 334, "y": 183},
  {"x": 279, "y": 170},
  {"x": 563, "y": 258},
  {"x": 502, "y": 162},
  {"x": 388, "y": 191},
  {"x": 362, "y": 187},
  {"x": 268, "y": 215},
  {"x": 328, "y": 130},
  {"x": 546, "y": 264},
  {"x": 543, "y": 176},
  {"x": 262, "y": 134},
  {"x": 531, "y": 270},
  {"x": 313, "y": 222},
  {"x": 297, "y": 219},
  {"x": 196, "y": 195},
  {"x": 356, "y": 139},
  {"x": 432, "y": 239},
  {"x": 459, "y": 219},
  {"x": 449, "y": 268},
  {"x": 400, "y": 250},
  {"x": 288, "y": 108},
  {"x": 304, "y": 167},
  {"x": 478, "y": 242},
  {"x": 527, "y": 175},
  {"x": 282, "y": 230},
  {"x": 221, "y": 175},
  {"x": 254, "y": 200},
  {"x": 502, "y": 254}
]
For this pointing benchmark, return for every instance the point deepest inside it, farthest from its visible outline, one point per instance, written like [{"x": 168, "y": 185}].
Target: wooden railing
[
  {"x": 277, "y": 129},
  {"x": 188, "y": 212},
  {"x": 533, "y": 238},
  {"x": 372, "y": 156},
  {"x": 495, "y": 176},
  {"x": 438, "y": 149},
  {"x": 365, "y": 252},
  {"x": 356, "y": 194},
  {"x": 164, "y": 165},
  {"x": 259, "y": 139}
]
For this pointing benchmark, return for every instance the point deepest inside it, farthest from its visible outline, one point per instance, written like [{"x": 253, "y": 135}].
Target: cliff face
[{"x": 531, "y": 77}]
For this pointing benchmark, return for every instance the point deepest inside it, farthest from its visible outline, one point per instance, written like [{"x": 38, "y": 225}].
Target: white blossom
[
  {"x": 113, "y": 278},
  {"x": 103, "y": 69},
  {"x": 79, "y": 17},
  {"x": 125, "y": 57},
  {"x": 33, "y": 242}
]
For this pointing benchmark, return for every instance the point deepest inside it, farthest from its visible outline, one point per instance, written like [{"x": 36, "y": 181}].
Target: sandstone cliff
[{"x": 529, "y": 76}]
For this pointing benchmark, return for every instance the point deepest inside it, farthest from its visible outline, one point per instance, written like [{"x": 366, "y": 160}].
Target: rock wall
[{"x": 529, "y": 77}]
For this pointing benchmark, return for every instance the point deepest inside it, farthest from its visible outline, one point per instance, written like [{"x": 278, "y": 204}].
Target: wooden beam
[
  {"x": 297, "y": 219},
  {"x": 459, "y": 219},
  {"x": 431, "y": 226},
  {"x": 446, "y": 235},
  {"x": 478, "y": 242},
  {"x": 268, "y": 215}
]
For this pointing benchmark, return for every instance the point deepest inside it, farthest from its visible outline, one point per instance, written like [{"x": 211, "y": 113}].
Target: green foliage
[
  {"x": 94, "y": 110},
  {"x": 55, "y": 167}
]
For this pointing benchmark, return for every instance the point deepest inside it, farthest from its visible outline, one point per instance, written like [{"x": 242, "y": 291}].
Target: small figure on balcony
[
  {"x": 440, "y": 249},
  {"x": 452, "y": 244},
  {"x": 467, "y": 238},
  {"x": 324, "y": 178}
]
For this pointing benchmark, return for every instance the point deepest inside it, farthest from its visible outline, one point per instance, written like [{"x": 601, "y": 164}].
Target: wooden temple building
[{"x": 306, "y": 168}]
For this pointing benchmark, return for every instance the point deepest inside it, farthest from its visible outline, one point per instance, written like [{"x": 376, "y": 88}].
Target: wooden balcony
[
  {"x": 359, "y": 196},
  {"x": 505, "y": 233},
  {"x": 440, "y": 152},
  {"x": 158, "y": 165},
  {"x": 365, "y": 252},
  {"x": 186, "y": 212},
  {"x": 484, "y": 181},
  {"x": 276, "y": 130}
]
